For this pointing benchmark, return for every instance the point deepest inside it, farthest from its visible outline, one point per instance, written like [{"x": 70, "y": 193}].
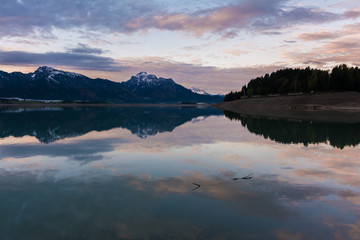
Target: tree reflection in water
[{"x": 289, "y": 131}]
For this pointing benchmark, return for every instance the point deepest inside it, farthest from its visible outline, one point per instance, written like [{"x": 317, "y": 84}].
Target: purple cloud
[
  {"x": 21, "y": 18},
  {"x": 85, "y": 49},
  {"x": 28, "y": 16},
  {"x": 75, "y": 60}
]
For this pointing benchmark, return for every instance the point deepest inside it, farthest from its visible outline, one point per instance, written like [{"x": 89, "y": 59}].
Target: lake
[{"x": 175, "y": 173}]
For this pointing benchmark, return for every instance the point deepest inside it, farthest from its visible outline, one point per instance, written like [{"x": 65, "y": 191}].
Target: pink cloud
[
  {"x": 248, "y": 14},
  {"x": 354, "y": 13},
  {"x": 212, "y": 20},
  {"x": 341, "y": 50},
  {"x": 317, "y": 36},
  {"x": 211, "y": 79}
]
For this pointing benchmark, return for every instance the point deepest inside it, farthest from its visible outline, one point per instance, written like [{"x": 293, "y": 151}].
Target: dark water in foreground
[{"x": 134, "y": 173}]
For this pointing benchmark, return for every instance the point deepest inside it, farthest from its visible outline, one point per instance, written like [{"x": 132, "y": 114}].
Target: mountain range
[
  {"x": 47, "y": 83},
  {"x": 203, "y": 92}
]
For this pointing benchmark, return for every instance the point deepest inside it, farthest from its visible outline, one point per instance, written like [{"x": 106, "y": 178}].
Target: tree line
[{"x": 297, "y": 81}]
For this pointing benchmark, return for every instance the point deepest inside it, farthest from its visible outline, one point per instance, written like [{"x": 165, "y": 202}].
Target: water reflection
[
  {"x": 51, "y": 124},
  {"x": 114, "y": 184},
  {"x": 300, "y": 131},
  {"x": 132, "y": 208}
]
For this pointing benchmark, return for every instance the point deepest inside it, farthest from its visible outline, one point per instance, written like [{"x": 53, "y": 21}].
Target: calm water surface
[{"x": 175, "y": 173}]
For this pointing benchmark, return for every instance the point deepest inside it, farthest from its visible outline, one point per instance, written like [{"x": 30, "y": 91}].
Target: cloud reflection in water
[{"x": 112, "y": 184}]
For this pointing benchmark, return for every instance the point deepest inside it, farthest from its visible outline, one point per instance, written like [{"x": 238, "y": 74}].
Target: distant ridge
[
  {"x": 47, "y": 83},
  {"x": 203, "y": 92}
]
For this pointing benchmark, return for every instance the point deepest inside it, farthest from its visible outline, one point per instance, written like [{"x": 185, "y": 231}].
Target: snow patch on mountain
[
  {"x": 199, "y": 91},
  {"x": 198, "y": 119},
  {"x": 50, "y": 73},
  {"x": 203, "y": 92},
  {"x": 145, "y": 79},
  {"x": 144, "y": 76}
]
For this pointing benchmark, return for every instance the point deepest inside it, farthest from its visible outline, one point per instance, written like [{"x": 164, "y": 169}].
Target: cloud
[
  {"x": 39, "y": 17},
  {"x": 212, "y": 79},
  {"x": 80, "y": 149},
  {"x": 36, "y": 15},
  {"x": 230, "y": 35},
  {"x": 249, "y": 14},
  {"x": 341, "y": 46},
  {"x": 351, "y": 29},
  {"x": 289, "y": 41},
  {"x": 192, "y": 48},
  {"x": 339, "y": 166},
  {"x": 75, "y": 60},
  {"x": 298, "y": 15},
  {"x": 235, "y": 52},
  {"x": 288, "y": 235},
  {"x": 271, "y": 33},
  {"x": 313, "y": 173},
  {"x": 354, "y": 13},
  {"x": 157, "y": 208},
  {"x": 317, "y": 36},
  {"x": 340, "y": 50},
  {"x": 85, "y": 49}
]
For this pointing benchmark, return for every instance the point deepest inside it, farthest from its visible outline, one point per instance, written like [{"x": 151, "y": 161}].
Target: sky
[{"x": 215, "y": 45}]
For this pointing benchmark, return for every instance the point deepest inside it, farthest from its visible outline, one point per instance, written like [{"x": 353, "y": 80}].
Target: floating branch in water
[
  {"x": 248, "y": 177},
  {"x": 197, "y": 186}
]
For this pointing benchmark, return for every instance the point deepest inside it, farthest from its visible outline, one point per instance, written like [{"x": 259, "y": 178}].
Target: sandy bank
[{"x": 330, "y": 107}]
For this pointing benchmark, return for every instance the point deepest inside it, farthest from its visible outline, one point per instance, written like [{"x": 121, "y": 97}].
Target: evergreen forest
[{"x": 292, "y": 81}]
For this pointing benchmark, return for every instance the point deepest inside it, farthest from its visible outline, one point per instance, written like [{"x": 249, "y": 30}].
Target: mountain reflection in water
[
  {"x": 175, "y": 173},
  {"x": 51, "y": 124}
]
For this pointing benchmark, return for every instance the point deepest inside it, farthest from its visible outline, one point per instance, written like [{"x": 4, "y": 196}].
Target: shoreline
[
  {"x": 325, "y": 107},
  {"x": 101, "y": 105}
]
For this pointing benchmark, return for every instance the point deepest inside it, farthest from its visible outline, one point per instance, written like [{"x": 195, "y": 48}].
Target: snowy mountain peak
[
  {"x": 50, "y": 73},
  {"x": 145, "y": 79},
  {"x": 203, "y": 92},
  {"x": 199, "y": 91},
  {"x": 144, "y": 76},
  {"x": 140, "y": 74},
  {"x": 45, "y": 69}
]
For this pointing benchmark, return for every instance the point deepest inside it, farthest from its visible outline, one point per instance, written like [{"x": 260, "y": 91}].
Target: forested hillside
[{"x": 293, "y": 81}]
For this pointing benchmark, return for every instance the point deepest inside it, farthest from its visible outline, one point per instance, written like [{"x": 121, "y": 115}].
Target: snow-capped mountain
[
  {"x": 142, "y": 79},
  {"x": 203, "y": 92},
  {"x": 154, "y": 89},
  {"x": 49, "y": 74},
  {"x": 52, "y": 84},
  {"x": 199, "y": 91}
]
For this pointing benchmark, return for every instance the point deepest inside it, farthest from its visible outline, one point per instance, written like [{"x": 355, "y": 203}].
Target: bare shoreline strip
[
  {"x": 100, "y": 105},
  {"x": 328, "y": 107}
]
